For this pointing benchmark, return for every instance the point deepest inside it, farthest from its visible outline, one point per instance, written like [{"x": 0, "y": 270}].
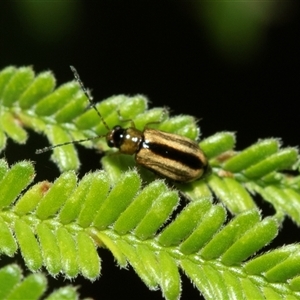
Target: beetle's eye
[
  {"x": 118, "y": 136},
  {"x": 110, "y": 143},
  {"x": 115, "y": 137}
]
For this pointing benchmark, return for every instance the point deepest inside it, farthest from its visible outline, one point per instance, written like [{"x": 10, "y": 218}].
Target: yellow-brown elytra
[{"x": 170, "y": 155}]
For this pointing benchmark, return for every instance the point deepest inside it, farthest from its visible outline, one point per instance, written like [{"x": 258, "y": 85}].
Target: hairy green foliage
[
  {"x": 60, "y": 225},
  {"x": 13, "y": 286}
]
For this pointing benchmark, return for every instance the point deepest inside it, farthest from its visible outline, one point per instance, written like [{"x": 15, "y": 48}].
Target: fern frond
[
  {"x": 130, "y": 223},
  {"x": 14, "y": 286},
  {"x": 60, "y": 225},
  {"x": 257, "y": 169},
  {"x": 62, "y": 116}
]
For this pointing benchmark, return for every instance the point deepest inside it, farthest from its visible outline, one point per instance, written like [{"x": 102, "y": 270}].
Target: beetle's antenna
[
  {"x": 87, "y": 94},
  {"x": 89, "y": 97},
  {"x": 46, "y": 149}
]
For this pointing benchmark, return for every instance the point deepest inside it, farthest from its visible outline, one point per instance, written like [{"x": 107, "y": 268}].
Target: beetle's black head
[{"x": 115, "y": 137}]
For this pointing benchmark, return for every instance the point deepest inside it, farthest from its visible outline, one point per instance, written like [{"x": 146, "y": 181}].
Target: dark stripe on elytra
[
  {"x": 190, "y": 160},
  {"x": 166, "y": 137}
]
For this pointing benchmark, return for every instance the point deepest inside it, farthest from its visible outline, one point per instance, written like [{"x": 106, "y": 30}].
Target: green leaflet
[
  {"x": 49, "y": 248},
  {"x": 32, "y": 286},
  {"x": 14, "y": 181},
  {"x": 56, "y": 195},
  {"x": 8, "y": 245},
  {"x": 134, "y": 256},
  {"x": 255, "y": 238},
  {"x": 71, "y": 110},
  {"x": 89, "y": 261},
  {"x": 278, "y": 161},
  {"x": 14, "y": 286},
  {"x": 230, "y": 234},
  {"x": 251, "y": 155},
  {"x": 56, "y": 100},
  {"x": 12, "y": 128},
  {"x": 181, "y": 125},
  {"x": 28, "y": 244},
  {"x": 28, "y": 202},
  {"x": 217, "y": 144},
  {"x": 65, "y": 157},
  {"x": 206, "y": 229},
  {"x": 9, "y": 277},
  {"x": 170, "y": 278},
  {"x": 16, "y": 85},
  {"x": 232, "y": 193},
  {"x": 42, "y": 86},
  {"x": 5, "y": 76},
  {"x": 157, "y": 215},
  {"x": 130, "y": 218},
  {"x": 186, "y": 223},
  {"x": 65, "y": 293},
  {"x": 295, "y": 283},
  {"x": 117, "y": 200},
  {"x": 68, "y": 251}
]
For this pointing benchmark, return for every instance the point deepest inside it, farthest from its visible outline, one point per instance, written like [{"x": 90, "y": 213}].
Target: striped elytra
[{"x": 170, "y": 155}]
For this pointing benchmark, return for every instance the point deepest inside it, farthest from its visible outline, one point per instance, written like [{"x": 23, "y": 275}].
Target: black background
[{"x": 161, "y": 49}]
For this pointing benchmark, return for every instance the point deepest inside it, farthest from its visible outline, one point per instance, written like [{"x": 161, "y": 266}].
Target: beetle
[{"x": 171, "y": 155}]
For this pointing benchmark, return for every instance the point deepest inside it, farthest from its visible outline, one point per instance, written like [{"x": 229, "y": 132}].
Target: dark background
[{"x": 233, "y": 65}]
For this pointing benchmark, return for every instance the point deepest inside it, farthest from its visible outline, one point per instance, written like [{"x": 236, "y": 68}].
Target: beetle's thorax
[{"x": 127, "y": 140}]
